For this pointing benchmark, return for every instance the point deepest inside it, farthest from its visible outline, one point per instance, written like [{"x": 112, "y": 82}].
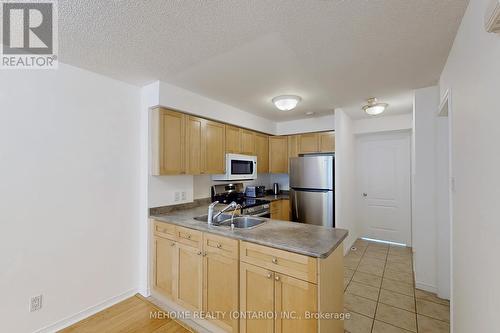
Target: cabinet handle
[
  {"x": 172, "y": 244},
  {"x": 269, "y": 275},
  {"x": 199, "y": 253},
  {"x": 219, "y": 246},
  {"x": 188, "y": 236},
  {"x": 277, "y": 278},
  {"x": 205, "y": 253},
  {"x": 275, "y": 260}
]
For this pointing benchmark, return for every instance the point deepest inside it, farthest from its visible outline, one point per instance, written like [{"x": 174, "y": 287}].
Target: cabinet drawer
[
  {"x": 220, "y": 245},
  {"x": 189, "y": 237},
  {"x": 292, "y": 264},
  {"x": 165, "y": 230}
]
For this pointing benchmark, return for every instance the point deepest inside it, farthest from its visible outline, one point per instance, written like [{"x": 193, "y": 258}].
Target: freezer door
[
  {"x": 312, "y": 172},
  {"x": 313, "y": 207}
]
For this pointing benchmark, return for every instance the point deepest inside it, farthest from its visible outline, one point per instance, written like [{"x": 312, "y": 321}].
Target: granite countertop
[{"x": 310, "y": 240}]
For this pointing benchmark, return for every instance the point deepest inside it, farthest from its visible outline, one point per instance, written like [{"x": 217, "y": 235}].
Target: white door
[{"x": 384, "y": 163}]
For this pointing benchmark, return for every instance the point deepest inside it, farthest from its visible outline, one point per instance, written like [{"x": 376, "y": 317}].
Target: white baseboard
[
  {"x": 426, "y": 287},
  {"x": 86, "y": 313}
]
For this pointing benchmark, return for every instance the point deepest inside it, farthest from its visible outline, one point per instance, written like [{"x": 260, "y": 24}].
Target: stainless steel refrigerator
[{"x": 312, "y": 180}]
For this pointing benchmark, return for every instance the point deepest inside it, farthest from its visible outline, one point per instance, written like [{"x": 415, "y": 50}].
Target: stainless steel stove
[{"x": 226, "y": 193}]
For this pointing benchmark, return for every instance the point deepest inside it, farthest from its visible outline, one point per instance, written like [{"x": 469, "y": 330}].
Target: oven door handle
[{"x": 261, "y": 214}]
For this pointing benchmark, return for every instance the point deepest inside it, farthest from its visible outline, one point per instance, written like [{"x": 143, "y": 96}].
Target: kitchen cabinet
[
  {"x": 327, "y": 142},
  {"x": 280, "y": 209},
  {"x": 323, "y": 142},
  {"x": 256, "y": 295},
  {"x": 280, "y": 282},
  {"x": 262, "y": 152},
  {"x": 308, "y": 143},
  {"x": 293, "y": 149},
  {"x": 168, "y": 131},
  {"x": 220, "y": 280},
  {"x": 218, "y": 275},
  {"x": 247, "y": 142},
  {"x": 292, "y": 295},
  {"x": 204, "y": 146},
  {"x": 278, "y": 154},
  {"x": 189, "y": 283},
  {"x": 233, "y": 139},
  {"x": 163, "y": 275},
  {"x": 194, "y": 143},
  {"x": 213, "y": 147}
]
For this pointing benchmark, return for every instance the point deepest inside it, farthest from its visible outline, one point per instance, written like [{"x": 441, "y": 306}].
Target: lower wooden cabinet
[
  {"x": 294, "y": 296},
  {"x": 268, "y": 288},
  {"x": 189, "y": 277},
  {"x": 164, "y": 267},
  {"x": 280, "y": 209},
  {"x": 256, "y": 296}
]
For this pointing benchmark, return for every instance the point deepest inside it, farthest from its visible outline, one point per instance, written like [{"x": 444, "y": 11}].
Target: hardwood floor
[{"x": 131, "y": 315}]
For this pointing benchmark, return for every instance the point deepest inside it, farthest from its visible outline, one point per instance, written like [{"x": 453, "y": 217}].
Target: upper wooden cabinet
[
  {"x": 323, "y": 142},
  {"x": 308, "y": 143},
  {"x": 240, "y": 141},
  {"x": 168, "y": 133},
  {"x": 213, "y": 147},
  {"x": 262, "y": 152},
  {"x": 204, "y": 146},
  {"x": 327, "y": 141},
  {"x": 233, "y": 139},
  {"x": 293, "y": 147},
  {"x": 278, "y": 154},
  {"x": 247, "y": 142}
]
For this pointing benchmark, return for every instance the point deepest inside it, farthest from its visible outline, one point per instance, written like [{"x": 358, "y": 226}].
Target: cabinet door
[
  {"x": 276, "y": 210},
  {"x": 188, "y": 282},
  {"x": 294, "y": 296},
  {"x": 278, "y": 154},
  {"x": 327, "y": 142},
  {"x": 285, "y": 210},
  {"x": 220, "y": 289},
  {"x": 164, "y": 266},
  {"x": 309, "y": 143},
  {"x": 247, "y": 142},
  {"x": 213, "y": 154},
  {"x": 262, "y": 152},
  {"x": 233, "y": 139},
  {"x": 293, "y": 149},
  {"x": 194, "y": 133},
  {"x": 171, "y": 142},
  {"x": 256, "y": 294}
]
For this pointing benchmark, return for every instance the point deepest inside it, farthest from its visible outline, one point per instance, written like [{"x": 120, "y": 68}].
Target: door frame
[{"x": 359, "y": 199}]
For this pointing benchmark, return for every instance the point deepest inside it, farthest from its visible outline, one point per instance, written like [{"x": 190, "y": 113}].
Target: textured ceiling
[{"x": 333, "y": 53}]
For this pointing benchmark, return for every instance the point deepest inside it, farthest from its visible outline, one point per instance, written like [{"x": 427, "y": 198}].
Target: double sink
[{"x": 227, "y": 220}]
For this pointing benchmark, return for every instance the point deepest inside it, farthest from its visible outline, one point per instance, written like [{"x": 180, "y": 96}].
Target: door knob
[{"x": 365, "y": 195}]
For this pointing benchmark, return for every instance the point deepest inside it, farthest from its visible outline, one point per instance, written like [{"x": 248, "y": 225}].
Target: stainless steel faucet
[
  {"x": 211, "y": 212},
  {"x": 212, "y": 217}
]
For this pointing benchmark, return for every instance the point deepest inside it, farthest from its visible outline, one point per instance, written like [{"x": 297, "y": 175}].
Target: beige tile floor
[{"x": 380, "y": 293}]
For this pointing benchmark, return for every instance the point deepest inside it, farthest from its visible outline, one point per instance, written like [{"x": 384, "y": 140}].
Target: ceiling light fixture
[
  {"x": 374, "y": 108},
  {"x": 286, "y": 102}
]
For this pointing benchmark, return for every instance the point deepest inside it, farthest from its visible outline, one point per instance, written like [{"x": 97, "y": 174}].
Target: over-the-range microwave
[{"x": 239, "y": 167}]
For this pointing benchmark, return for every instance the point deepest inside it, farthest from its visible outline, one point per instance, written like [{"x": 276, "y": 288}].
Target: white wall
[
  {"x": 383, "y": 124},
  {"x": 69, "y": 151},
  {"x": 472, "y": 72},
  {"x": 345, "y": 182},
  {"x": 424, "y": 224},
  {"x": 313, "y": 124}
]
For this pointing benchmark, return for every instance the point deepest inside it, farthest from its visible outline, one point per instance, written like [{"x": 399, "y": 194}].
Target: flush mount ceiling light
[
  {"x": 286, "y": 102},
  {"x": 374, "y": 108}
]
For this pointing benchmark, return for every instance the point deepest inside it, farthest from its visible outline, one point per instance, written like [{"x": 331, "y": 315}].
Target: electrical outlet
[
  {"x": 35, "y": 303},
  {"x": 177, "y": 196},
  {"x": 183, "y": 195}
]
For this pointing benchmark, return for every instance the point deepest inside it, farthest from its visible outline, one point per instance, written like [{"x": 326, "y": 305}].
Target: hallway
[{"x": 380, "y": 293}]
